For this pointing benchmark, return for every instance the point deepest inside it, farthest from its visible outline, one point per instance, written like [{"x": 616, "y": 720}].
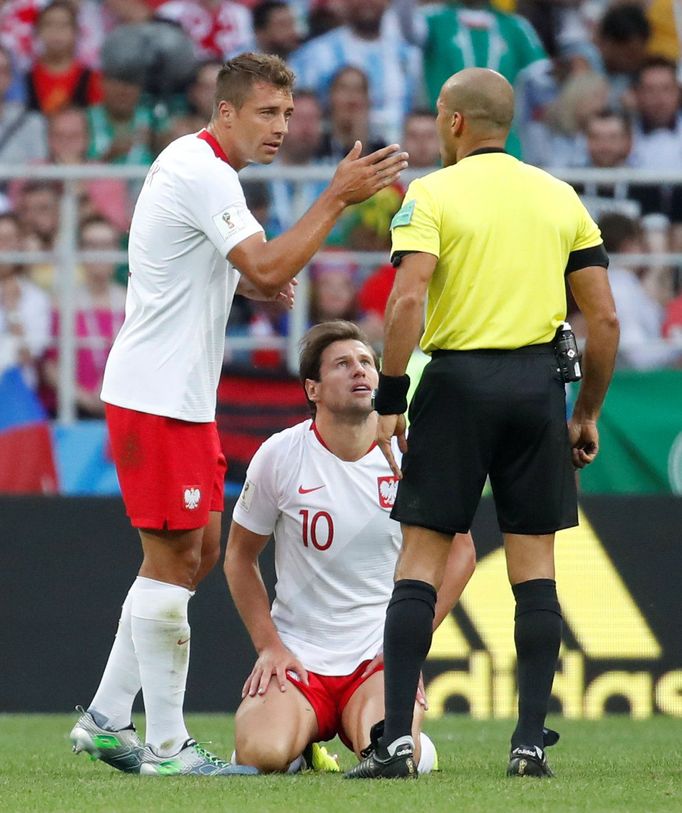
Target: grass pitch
[{"x": 615, "y": 764}]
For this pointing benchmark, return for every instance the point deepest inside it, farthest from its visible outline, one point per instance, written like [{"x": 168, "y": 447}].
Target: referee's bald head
[{"x": 482, "y": 96}]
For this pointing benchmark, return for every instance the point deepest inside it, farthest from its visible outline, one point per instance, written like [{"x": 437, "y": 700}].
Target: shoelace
[{"x": 212, "y": 758}]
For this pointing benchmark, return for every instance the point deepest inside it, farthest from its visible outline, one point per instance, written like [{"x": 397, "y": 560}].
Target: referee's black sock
[
  {"x": 537, "y": 636},
  {"x": 407, "y": 640}
]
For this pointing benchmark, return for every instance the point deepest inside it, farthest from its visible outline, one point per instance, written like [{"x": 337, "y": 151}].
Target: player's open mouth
[{"x": 361, "y": 388}]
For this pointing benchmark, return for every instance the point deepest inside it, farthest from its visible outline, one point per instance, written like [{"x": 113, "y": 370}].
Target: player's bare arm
[
  {"x": 251, "y": 599},
  {"x": 271, "y": 265},
  {"x": 402, "y": 328},
  {"x": 286, "y": 295},
  {"x": 592, "y": 293}
]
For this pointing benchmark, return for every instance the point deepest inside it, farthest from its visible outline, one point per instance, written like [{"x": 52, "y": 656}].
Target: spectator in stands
[
  {"x": 17, "y": 23},
  {"x": 57, "y": 79},
  {"x": 24, "y": 309},
  {"x": 275, "y": 30},
  {"x": 640, "y": 315},
  {"x": 370, "y": 41},
  {"x": 38, "y": 208},
  {"x": 557, "y": 138},
  {"x": 22, "y": 133},
  {"x": 301, "y": 148},
  {"x": 332, "y": 292},
  {"x": 348, "y": 118},
  {"x": 121, "y": 127},
  {"x": 658, "y": 119},
  {"x": 200, "y": 96},
  {"x": 219, "y": 29},
  {"x": 657, "y": 137},
  {"x": 100, "y": 305},
  {"x": 68, "y": 145},
  {"x": 621, "y": 38},
  {"x": 473, "y": 33},
  {"x": 420, "y": 140},
  {"x": 608, "y": 136}
]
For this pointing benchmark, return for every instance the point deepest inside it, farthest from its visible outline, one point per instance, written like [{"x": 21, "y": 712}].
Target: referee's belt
[{"x": 546, "y": 348}]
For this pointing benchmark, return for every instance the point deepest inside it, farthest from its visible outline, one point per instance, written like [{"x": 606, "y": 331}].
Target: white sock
[
  {"x": 161, "y": 639},
  {"x": 428, "y": 757},
  {"x": 113, "y": 702}
]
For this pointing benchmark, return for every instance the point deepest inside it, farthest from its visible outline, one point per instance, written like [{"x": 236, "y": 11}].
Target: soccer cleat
[
  {"x": 399, "y": 766},
  {"x": 121, "y": 749},
  {"x": 528, "y": 760},
  {"x": 191, "y": 759},
  {"x": 318, "y": 759}
]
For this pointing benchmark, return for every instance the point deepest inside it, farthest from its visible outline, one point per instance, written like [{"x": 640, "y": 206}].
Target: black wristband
[{"x": 390, "y": 398}]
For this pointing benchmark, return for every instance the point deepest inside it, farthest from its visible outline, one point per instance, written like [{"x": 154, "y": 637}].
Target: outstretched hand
[
  {"x": 387, "y": 426},
  {"x": 357, "y": 179}
]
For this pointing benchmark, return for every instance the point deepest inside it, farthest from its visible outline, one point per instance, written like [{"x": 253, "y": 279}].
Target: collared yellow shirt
[{"x": 503, "y": 232}]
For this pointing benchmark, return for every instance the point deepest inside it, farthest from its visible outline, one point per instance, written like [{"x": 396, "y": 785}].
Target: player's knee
[{"x": 268, "y": 754}]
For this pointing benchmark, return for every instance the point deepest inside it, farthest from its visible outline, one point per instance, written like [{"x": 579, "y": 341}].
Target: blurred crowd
[{"x": 597, "y": 84}]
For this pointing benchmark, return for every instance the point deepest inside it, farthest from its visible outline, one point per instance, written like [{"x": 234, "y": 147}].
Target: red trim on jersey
[
  {"x": 212, "y": 142},
  {"x": 314, "y": 428}
]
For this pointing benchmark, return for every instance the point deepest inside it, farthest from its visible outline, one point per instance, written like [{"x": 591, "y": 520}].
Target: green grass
[{"x": 615, "y": 764}]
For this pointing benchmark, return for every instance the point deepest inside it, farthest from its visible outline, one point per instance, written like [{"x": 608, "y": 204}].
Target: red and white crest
[
  {"x": 388, "y": 487},
  {"x": 192, "y": 497}
]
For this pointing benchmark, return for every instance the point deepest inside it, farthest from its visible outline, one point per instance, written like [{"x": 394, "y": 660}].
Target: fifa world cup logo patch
[
  {"x": 388, "y": 488},
  {"x": 192, "y": 497}
]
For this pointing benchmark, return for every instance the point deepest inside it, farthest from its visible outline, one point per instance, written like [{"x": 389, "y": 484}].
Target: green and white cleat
[
  {"x": 121, "y": 749},
  {"x": 318, "y": 759},
  {"x": 193, "y": 760}
]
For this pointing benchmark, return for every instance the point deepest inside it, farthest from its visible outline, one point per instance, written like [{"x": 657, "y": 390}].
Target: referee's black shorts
[{"x": 489, "y": 412}]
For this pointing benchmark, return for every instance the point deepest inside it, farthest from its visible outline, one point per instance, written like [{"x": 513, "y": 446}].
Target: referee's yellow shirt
[{"x": 503, "y": 233}]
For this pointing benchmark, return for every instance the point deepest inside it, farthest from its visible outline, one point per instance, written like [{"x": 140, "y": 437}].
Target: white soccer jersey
[
  {"x": 190, "y": 214},
  {"x": 336, "y": 546}
]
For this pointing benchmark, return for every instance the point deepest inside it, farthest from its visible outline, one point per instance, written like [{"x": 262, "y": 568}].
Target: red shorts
[
  {"x": 171, "y": 472},
  {"x": 329, "y": 696}
]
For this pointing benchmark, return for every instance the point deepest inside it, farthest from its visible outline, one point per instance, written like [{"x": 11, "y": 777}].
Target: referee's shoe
[
  {"x": 376, "y": 765},
  {"x": 529, "y": 760}
]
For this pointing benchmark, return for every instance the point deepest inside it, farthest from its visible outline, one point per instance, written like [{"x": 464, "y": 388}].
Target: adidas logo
[
  {"x": 604, "y": 621},
  {"x": 404, "y": 751}
]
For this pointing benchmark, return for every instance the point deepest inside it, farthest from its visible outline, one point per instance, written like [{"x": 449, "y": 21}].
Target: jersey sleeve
[
  {"x": 257, "y": 508},
  {"x": 415, "y": 227},
  {"x": 588, "y": 247},
  {"x": 217, "y": 206}
]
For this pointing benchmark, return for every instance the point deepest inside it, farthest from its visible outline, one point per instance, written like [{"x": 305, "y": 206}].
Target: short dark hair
[
  {"x": 655, "y": 62},
  {"x": 238, "y": 75},
  {"x": 625, "y": 22},
  {"x": 261, "y": 13},
  {"x": 317, "y": 340},
  {"x": 616, "y": 229},
  {"x": 58, "y": 4}
]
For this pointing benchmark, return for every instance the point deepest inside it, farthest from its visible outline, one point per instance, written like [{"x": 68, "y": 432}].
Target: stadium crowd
[{"x": 597, "y": 84}]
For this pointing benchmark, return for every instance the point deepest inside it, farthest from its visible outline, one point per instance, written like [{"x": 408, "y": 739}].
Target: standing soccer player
[
  {"x": 325, "y": 491},
  {"x": 193, "y": 243}
]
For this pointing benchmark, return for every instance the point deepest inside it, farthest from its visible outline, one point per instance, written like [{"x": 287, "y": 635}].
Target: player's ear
[
  {"x": 311, "y": 388},
  {"x": 225, "y": 111}
]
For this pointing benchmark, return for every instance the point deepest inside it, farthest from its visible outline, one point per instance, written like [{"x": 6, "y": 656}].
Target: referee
[{"x": 487, "y": 242}]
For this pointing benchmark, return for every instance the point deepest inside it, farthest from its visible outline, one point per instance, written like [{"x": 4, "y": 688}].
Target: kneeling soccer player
[{"x": 325, "y": 491}]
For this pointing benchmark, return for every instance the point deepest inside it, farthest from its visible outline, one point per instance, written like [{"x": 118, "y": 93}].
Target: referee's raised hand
[
  {"x": 358, "y": 178},
  {"x": 387, "y": 426}
]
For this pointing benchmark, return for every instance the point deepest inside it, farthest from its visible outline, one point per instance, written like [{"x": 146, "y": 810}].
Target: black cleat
[
  {"x": 549, "y": 737},
  {"x": 528, "y": 760},
  {"x": 399, "y": 766}
]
